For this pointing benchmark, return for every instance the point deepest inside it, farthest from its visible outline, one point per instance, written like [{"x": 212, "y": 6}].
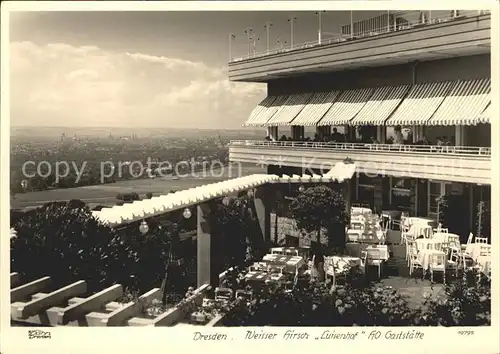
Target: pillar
[
  {"x": 263, "y": 202},
  {"x": 378, "y": 194},
  {"x": 348, "y": 195},
  {"x": 203, "y": 251},
  {"x": 381, "y": 134},
  {"x": 459, "y": 135}
]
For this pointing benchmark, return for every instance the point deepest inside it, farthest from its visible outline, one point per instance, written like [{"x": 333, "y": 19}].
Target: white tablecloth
[
  {"x": 425, "y": 243},
  {"x": 360, "y": 211},
  {"x": 445, "y": 237},
  {"x": 418, "y": 220},
  {"x": 383, "y": 249},
  {"x": 422, "y": 229},
  {"x": 474, "y": 249},
  {"x": 424, "y": 257},
  {"x": 341, "y": 264}
]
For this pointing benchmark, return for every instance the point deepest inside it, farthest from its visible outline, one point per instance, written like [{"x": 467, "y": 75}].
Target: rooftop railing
[
  {"x": 428, "y": 149},
  {"x": 394, "y": 21}
]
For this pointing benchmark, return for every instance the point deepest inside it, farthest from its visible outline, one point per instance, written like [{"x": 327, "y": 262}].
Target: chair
[
  {"x": 454, "y": 241},
  {"x": 437, "y": 264},
  {"x": 374, "y": 259},
  {"x": 381, "y": 236},
  {"x": 411, "y": 246},
  {"x": 330, "y": 268},
  {"x": 407, "y": 233},
  {"x": 438, "y": 246},
  {"x": 483, "y": 240},
  {"x": 413, "y": 261},
  {"x": 291, "y": 252},
  {"x": 275, "y": 269},
  {"x": 442, "y": 230},
  {"x": 386, "y": 221},
  {"x": 277, "y": 250},
  {"x": 455, "y": 260}
]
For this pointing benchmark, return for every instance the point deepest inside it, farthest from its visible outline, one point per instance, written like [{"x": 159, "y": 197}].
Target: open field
[{"x": 105, "y": 194}]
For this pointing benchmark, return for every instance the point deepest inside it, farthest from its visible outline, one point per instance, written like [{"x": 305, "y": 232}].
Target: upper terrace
[{"x": 387, "y": 39}]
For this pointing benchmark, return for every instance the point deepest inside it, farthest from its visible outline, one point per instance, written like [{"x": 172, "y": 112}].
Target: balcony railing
[
  {"x": 394, "y": 22},
  {"x": 423, "y": 149}
]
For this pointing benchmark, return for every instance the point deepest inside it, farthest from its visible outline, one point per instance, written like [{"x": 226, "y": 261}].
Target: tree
[{"x": 321, "y": 208}]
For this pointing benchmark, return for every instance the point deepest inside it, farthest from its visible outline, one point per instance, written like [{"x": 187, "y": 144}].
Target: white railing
[
  {"x": 434, "y": 149},
  {"x": 396, "y": 21}
]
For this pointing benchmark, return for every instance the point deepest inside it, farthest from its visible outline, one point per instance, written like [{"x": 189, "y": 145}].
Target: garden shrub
[
  {"x": 64, "y": 241},
  {"x": 356, "y": 303},
  {"x": 467, "y": 303},
  {"x": 128, "y": 197}
]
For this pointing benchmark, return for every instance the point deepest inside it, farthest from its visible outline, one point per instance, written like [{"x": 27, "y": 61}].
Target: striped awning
[
  {"x": 289, "y": 110},
  {"x": 420, "y": 104},
  {"x": 464, "y": 104},
  {"x": 347, "y": 105},
  {"x": 381, "y": 105},
  {"x": 318, "y": 105},
  {"x": 263, "y": 116},
  {"x": 485, "y": 117},
  {"x": 258, "y": 112}
]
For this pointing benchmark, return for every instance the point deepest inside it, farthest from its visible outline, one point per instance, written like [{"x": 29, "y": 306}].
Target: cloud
[{"x": 59, "y": 84}]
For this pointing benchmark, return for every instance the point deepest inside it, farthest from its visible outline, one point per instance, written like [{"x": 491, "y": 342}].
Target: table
[
  {"x": 422, "y": 229},
  {"x": 383, "y": 249},
  {"x": 394, "y": 214},
  {"x": 341, "y": 264},
  {"x": 423, "y": 244},
  {"x": 424, "y": 257},
  {"x": 360, "y": 211},
  {"x": 261, "y": 277},
  {"x": 474, "y": 250},
  {"x": 445, "y": 237},
  {"x": 291, "y": 263},
  {"x": 413, "y": 220}
]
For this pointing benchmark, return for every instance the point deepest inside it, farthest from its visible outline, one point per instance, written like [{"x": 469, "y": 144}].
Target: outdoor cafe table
[
  {"x": 422, "y": 229},
  {"x": 262, "y": 276},
  {"x": 413, "y": 220},
  {"x": 393, "y": 214},
  {"x": 341, "y": 264},
  {"x": 291, "y": 263},
  {"x": 426, "y": 244},
  {"x": 383, "y": 249},
  {"x": 424, "y": 256},
  {"x": 360, "y": 211},
  {"x": 445, "y": 237},
  {"x": 474, "y": 250}
]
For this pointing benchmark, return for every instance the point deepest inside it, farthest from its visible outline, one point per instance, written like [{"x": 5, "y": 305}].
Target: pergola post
[
  {"x": 263, "y": 202},
  {"x": 203, "y": 252}
]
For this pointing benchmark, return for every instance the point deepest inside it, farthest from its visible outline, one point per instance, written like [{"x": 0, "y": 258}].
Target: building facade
[{"x": 429, "y": 79}]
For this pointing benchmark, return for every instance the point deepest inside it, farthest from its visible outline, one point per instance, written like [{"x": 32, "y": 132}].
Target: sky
[{"x": 143, "y": 69}]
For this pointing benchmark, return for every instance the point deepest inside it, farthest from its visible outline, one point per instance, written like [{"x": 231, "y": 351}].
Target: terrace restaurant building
[{"x": 427, "y": 72}]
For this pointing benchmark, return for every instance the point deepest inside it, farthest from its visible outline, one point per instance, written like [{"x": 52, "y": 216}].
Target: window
[
  {"x": 400, "y": 193},
  {"x": 365, "y": 180}
]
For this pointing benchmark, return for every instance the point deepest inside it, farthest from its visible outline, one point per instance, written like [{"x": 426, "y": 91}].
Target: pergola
[{"x": 200, "y": 196}]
